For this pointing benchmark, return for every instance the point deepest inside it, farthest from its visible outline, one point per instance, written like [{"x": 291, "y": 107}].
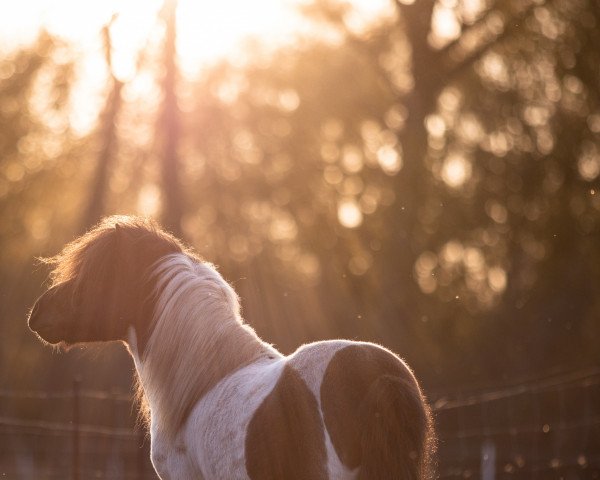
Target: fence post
[
  {"x": 488, "y": 459},
  {"x": 75, "y": 439}
]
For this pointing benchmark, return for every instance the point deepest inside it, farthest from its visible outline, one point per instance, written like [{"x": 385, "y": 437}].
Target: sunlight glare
[
  {"x": 588, "y": 163},
  {"x": 497, "y": 279},
  {"x": 456, "y": 170},
  {"x": 210, "y": 30},
  {"x": 207, "y": 32},
  {"x": 149, "y": 200},
  {"x": 365, "y": 12},
  {"x": 349, "y": 214},
  {"x": 129, "y": 31},
  {"x": 444, "y": 26},
  {"x": 389, "y": 159}
]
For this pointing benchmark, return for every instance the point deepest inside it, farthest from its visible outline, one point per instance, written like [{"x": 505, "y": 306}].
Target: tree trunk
[
  {"x": 170, "y": 128},
  {"x": 108, "y": 141}
]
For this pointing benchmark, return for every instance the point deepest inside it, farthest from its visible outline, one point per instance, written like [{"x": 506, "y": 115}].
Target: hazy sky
[{"x": 207, "y": 30}]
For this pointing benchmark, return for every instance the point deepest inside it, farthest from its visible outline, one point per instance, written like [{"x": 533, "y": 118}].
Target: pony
[{"x": 220, "y": 402}]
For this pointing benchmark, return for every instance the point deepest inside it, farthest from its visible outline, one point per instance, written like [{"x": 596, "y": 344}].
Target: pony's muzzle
[
  {"x": 43, "y": 324},
  {"x": 34, "y": 317}
]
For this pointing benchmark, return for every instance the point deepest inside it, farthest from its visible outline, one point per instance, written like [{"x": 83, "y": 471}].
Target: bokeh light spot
[{"x": 349, "y": 214}]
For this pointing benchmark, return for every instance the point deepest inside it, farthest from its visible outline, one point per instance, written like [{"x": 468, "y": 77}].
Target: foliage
[{"x": 433, "y": 190}]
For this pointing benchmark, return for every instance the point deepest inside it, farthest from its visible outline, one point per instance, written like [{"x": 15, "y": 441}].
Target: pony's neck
[
  {"x": 173, "y": 382},
  {"x": 197, "y": 340}
]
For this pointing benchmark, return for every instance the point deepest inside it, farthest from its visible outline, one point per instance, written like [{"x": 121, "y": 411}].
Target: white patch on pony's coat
[
  {"x": 167, "y": 459},
  {"x": 217, "y": 427},
  {"x": 311, "y": 361}
]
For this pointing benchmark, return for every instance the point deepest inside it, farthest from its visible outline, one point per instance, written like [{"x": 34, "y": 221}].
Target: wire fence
[{"x": 546, "y": 429}]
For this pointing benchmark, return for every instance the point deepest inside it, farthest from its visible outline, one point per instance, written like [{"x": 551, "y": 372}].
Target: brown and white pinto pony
[{"x": 223, "y": 404}]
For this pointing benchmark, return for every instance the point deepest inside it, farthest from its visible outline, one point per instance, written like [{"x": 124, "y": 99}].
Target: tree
[
  {"x": 97, "y": 201},
  {"x": 169, "y": 126},
  {"x": 458, "y": 128},
  {"x": 431, "y": 193}
]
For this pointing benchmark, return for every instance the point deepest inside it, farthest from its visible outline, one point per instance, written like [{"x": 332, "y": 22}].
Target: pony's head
[{"x": 101, "y": 283}]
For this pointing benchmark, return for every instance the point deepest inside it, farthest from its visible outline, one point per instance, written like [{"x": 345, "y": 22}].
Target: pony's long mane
[
  {"x": 85, "y": 257},
  {"x": 197, "y": 338}
]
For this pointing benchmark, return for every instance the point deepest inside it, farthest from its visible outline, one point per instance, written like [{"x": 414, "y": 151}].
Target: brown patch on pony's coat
[
  {"x": 375, "y": 414},
  {"x": 285, "y": 438}
]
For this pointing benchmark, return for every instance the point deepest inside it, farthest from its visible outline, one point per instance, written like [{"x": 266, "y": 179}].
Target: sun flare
[
  {"x": 206, "y": 30},
  {"x": 209, "y": 30}
]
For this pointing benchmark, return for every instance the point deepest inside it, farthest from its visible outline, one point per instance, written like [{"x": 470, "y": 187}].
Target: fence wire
[{"x": 548, "y": 428}]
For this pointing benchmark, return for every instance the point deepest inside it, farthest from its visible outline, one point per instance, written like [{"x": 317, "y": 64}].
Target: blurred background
[{"x": 422, "y": 174}]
